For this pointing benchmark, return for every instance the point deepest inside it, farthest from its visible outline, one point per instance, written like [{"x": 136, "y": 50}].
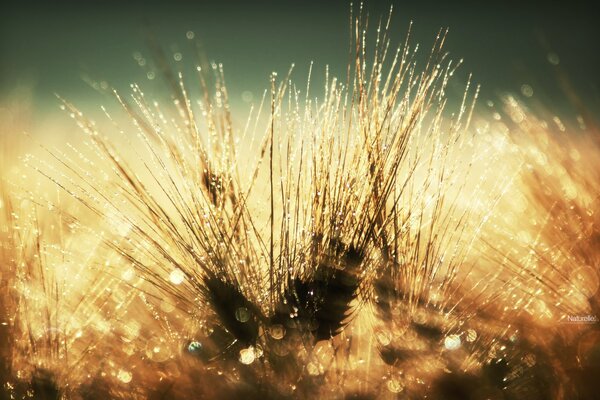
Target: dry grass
[{"x": 363, "y": 242}]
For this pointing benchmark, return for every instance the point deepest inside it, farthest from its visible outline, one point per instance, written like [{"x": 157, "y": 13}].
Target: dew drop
[
  {"x": 124, "y": 376},
  {"x": 471, "y": 335},
  {"x": 176, "y": 276},
  {"x": 527, "y": 90},
  {"x": 383, "y": 336},
  {"x": 242, "y": 314},
  {"x": 247, "y": 355},
  {"x": 194, "y": 347},
  {"x": 157, "y": 350},
  {"x": 128, "y": 274},
  {"x": 569, "y": 190},
  {"x": 277, "y": 331},
  {"x": 452, "y": 342},
  {"x": 394, "y": 386},
  {"x": 553, "y": 58}
]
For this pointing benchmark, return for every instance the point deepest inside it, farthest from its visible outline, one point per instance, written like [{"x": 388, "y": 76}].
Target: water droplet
[
  {"x": 527, "y": 90},
  {"x": 471, "y": 335},
  {"x": 553, "y": 58},
  {"x": 176, "y": 276},
  {"x": 247, "y": 355},
  {"x": 194, "y": 347},
  {"x": 277, "y": 331},
  {"x": 190, "y": 35},
  {"x": 157, "y": 350},
  {"x": 452, "y": 342},
  {"x": 394, "y": 386},
  {"x": 177, "y": 56},
  {"x": 128, "y": 274},
  {"x": 124, "y": 376},
  {"x": 242, "y": 314},
  {"x": 570, "y": 191},
  {"x": 383, "y": 336}
]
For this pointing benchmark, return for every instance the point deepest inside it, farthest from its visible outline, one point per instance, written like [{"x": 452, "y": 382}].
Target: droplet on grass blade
[
  {"x": 157, "y": 350},
  {"x": 194, "y": 347},
  {"x": 124, "y": 376},
  {"x": 526, "y": 90},
  {"x": 176, "y": 276},
  {"x": 242, "y": 314},
  {"x": 394, "y": 386},
  {"x": 452, "y": 342},
  {"x": 383, "y": 336},
  {"x": 247, "y": 356},
  {"x": 471, "y": 335},
  {"x": 277, "y": 331}
]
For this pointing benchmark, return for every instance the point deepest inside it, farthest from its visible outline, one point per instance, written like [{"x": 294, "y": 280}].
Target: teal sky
[{"x": 50, "y": 46}]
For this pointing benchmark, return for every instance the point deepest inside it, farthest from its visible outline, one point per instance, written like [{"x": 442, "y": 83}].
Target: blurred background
[{"x": 548, "y": 52}]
